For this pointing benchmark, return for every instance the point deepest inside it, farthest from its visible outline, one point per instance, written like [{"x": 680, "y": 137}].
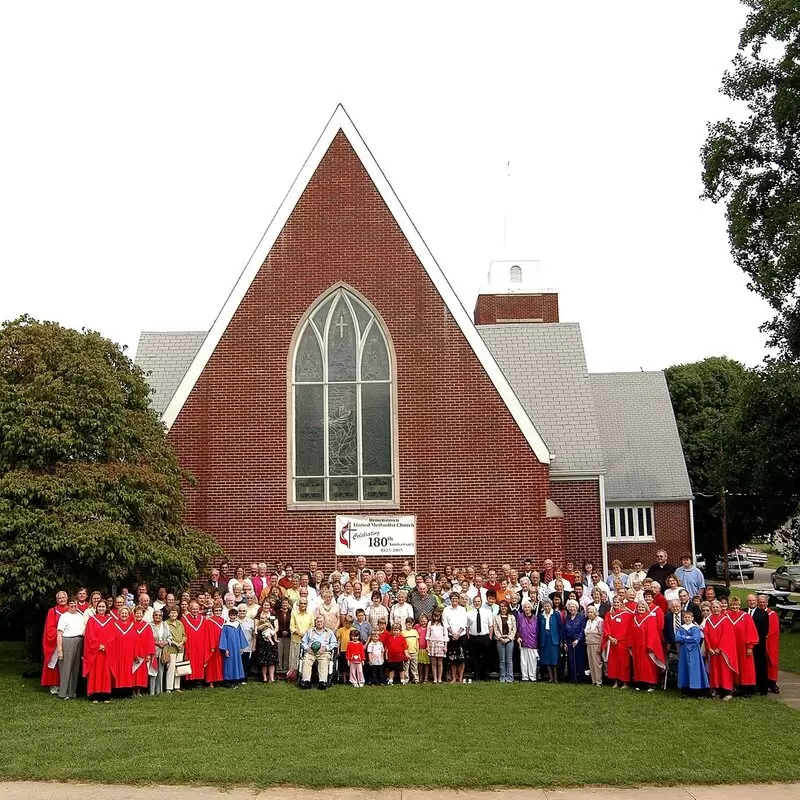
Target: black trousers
[
  {"x": 760, "y": 663},
  {"x": 479, "y": 649}
]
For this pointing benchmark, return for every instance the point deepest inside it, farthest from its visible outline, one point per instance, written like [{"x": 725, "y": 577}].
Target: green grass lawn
[{"x": 524, "y": 735}]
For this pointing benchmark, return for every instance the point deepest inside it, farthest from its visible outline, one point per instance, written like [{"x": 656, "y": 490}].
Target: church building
[{"x": 344, "y": 376}]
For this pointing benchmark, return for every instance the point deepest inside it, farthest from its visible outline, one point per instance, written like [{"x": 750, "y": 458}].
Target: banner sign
[{"x": 376, "y": 536}]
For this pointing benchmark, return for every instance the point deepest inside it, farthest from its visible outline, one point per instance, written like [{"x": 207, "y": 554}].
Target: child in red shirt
[
  {"x": 396, "y": 654},
  {"x": 355, "y": 658}
]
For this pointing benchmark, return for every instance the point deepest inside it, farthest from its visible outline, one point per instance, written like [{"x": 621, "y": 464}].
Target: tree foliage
[
  {"x": 90, "y": 489},
  {"x": 754, "y": 165},
  {"x": 740, "y": 431}
]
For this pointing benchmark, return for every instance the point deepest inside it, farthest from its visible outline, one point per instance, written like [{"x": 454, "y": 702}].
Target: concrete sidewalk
[{"x": 23, "y": 790}]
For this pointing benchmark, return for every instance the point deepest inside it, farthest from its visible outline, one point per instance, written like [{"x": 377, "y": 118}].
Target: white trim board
[{"x": 341, "y": 121}]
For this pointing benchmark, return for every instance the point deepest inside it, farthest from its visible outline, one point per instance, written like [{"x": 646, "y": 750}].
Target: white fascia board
[{"x": 341, "y": 121}]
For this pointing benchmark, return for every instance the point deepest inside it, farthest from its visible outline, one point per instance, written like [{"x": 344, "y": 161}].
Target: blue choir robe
[
  {"x": 550, "y": 641},
  {"x": 691, "y": 667},
  {"x": 234, "y": 641},
  {"x": 576, "y": 656}
]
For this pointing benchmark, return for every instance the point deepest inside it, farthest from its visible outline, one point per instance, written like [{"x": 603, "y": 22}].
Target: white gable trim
[{"x": 341, "y": 121}]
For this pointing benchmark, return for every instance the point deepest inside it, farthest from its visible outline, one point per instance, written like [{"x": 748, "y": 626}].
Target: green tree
[
  {"x": 706, "y": 397},
  {"x": 754, "y": 165},
  {"x": 90, "y": 489}
]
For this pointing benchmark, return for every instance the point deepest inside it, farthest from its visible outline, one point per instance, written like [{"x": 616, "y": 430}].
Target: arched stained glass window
[
  {"x": 515, "y": 274},
  {"x": 342, "y": 392}
]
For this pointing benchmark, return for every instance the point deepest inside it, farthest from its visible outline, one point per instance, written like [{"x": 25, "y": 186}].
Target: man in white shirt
[
  {"x": 480, "y": 624},
  {"x": 144, "y": 604}
]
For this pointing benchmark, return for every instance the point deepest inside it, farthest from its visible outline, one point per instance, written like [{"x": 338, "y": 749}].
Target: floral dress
[{"x": 267, "y": 644}]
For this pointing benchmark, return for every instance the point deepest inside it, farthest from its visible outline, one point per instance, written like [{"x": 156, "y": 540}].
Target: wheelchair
[{"x": 333, "y": 671}]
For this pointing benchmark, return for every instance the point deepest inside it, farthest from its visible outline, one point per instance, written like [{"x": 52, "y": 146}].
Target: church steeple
[{"x": 515, "y": 292}]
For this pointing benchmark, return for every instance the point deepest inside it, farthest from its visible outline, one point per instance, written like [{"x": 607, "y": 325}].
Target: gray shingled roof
[
  {"x": 640, "y": 438},
  {"x": 621, "y": 423},
  {"x": 167, "y": 355},
  {"x": 546, "y": 366}
]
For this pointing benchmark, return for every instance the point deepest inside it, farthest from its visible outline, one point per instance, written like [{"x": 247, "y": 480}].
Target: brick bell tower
[{"x": 513, "y": 293}]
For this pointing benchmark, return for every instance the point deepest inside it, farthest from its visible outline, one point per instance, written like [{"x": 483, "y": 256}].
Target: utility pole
[{"x": 723, "y": 510}]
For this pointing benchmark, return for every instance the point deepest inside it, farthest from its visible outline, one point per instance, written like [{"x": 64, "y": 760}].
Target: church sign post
[{"x": 376, "y": 536}]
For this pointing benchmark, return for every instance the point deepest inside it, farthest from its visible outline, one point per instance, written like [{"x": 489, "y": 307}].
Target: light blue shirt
[
  {"x": 325, "y": 637},
  {"x": 691, "y": 579}
]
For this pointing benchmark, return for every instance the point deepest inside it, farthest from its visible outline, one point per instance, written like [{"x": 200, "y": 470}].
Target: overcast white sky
[{"x": 145, "y": 147}]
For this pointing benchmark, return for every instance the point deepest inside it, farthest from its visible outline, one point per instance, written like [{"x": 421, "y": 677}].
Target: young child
[
  {"x": 343, "y": 639},
  {"x": 411, "y": 636},
  {"x": 437, "y": 644},
  {"x": 375, "y": 656},
  {"x": 355, "y": 659},
  {"x": 692, "y": 676},
  {"x": 396, "y": 655},
  {"x": 232, "y": 642},
  {"x": 423, "y": 659},
  {"x": 383, "y": 633}
]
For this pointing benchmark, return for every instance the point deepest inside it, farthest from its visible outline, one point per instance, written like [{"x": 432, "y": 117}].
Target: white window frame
[
  {"x": 333, "y": 294},
  {"x": 639, "y": 527}
]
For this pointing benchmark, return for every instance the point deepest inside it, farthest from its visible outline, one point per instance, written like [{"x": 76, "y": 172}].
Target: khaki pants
[
  {"x": 595, "y": 660},
  {"x": 283, "y": 655},
  {"x": 173, "y": 680},
  {"x": 323, "y": 659},
  {"x": 410, "y": 666}
]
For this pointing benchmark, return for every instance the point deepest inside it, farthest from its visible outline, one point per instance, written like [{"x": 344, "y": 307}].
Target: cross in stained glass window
[{"x": 341, "y": 326}]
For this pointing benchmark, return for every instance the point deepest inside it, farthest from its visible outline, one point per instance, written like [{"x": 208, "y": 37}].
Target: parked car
[
  {"x": 738, "y": 567},
  {"x": 787, "y": 578}
]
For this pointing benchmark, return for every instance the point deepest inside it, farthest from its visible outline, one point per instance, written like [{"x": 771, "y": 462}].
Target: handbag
[
  {"x": 183, "y": 668},
  {"x": 165, "y": 655}
]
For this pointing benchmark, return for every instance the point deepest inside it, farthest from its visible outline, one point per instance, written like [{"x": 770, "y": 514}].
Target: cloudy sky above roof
[{"x": 147, "y": 147}]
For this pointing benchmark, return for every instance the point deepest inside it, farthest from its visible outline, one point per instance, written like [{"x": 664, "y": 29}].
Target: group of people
[{"x": 383, "y": 627}]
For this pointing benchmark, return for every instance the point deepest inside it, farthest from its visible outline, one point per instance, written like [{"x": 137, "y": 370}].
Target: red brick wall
[
  {"x": 466, "y": 471},
  {"x": 673, "y": 534},
  {"x": 491, "y": 308},
  {"x": 580, "y": 502}
]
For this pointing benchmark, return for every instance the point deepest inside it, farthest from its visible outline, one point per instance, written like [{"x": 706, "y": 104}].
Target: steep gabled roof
[
  {"x": 166, "y": 355},
  {"x": 546, "y": 366},
  {"x": 640, "y": 439},
  {"x": 340, "y": 121}
]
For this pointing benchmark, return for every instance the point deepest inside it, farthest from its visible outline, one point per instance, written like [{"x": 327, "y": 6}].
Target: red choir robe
[
  {"x": 746, "y": 637},
  {"x": 195, "y": 649},
  {"x": 50, "y": 674},
  {"x": 213, "y": 657},
  {"x": 661, "y": 602},
  {"x": 631, "y": 606},
  {"x": 723, "y": 667},
  {"x": 97, "y": 662},
  {"x": 646, "y": 648},
  {"x": 773, "y": 646},
  {"x": 82, "y": 607},
  {"x": 618, "y": 657},
  {"x": 660, "y": 613},
  {"x": 123, "y": 654},
  {"x": 143, "y": 652}
]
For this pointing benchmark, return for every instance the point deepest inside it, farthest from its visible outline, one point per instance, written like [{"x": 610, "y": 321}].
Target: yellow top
[
  {"x": 299, "y": 623},
  {"x": 412, "y": 641}
]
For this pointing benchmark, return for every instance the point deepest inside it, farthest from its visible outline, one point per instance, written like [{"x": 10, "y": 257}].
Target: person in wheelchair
[{"x": 319, "y": 647}]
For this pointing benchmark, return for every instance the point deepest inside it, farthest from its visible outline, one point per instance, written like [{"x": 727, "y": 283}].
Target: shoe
[
  {"x": 322, "y": 685},
  {"x": 651, "y": 689},
  {"x": 774, "y": 690},
  {"x": 54, "y": 690},
  {"x": 727, "y": 697},
  {"x": 624, "y": 686},
  {"x": 405, "y": 683},
  {"x": 390, "y": 682},
  {"x": 305, "y": 684}
]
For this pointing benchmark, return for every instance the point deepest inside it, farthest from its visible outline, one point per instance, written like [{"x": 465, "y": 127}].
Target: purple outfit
[{"x": 528, "y": 630}]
